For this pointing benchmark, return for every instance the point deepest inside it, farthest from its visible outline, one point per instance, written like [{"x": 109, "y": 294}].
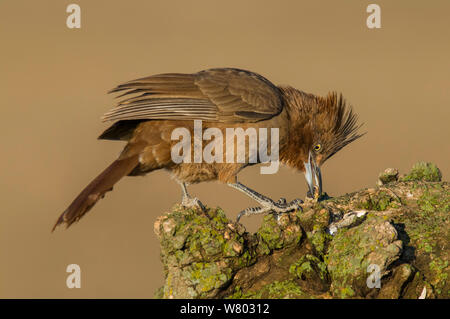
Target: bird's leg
[
  {"x": 267, "y": 204},
  {"x": 188, "y": 201},
  {"x": 251, "y": 211}
]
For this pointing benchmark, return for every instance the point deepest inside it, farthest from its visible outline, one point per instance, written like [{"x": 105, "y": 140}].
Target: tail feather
[{"x": 97, "y": 189}]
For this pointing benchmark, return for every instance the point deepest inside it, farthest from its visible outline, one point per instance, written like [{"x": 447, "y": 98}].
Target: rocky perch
[{"x": 391, "y": 241}]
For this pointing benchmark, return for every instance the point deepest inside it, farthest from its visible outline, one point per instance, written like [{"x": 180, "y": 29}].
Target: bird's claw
[
  {"x": 192, "y": 202},
  {"x": 314, "y": 196},
  {"x": 277, "y": 208},
  {"x": 250, "y": 211}
]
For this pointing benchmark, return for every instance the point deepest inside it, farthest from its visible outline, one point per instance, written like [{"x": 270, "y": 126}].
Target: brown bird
[{"x": 311, "y": 129}]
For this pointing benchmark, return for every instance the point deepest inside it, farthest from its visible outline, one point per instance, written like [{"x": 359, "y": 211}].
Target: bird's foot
[
  {"x": 282, "y": 206},
  {"x": 276, "y": 208},
  {"x": 192, "y": 202},
  {"x": 314, "y": 196}
]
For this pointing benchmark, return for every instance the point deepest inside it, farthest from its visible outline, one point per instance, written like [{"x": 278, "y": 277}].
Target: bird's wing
[{"x": 222, "y": 95}]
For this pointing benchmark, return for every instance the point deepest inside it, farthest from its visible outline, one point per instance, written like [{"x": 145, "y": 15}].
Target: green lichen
[
  {"x": 239, "y": 294},
  {"x": 424, "y": 171},
  {"x": 286, "y": 289},
  {"x": 352, "y": 250},
  {"x": 319, "y": 239},
  {"x": 273, "y": 235},
  {"x": 207, "y": 276},
  {"x": 308, "y": 267},
  {"x": 206, "y": 247},
  {"x": 202, "y": 236},
  {"x": 315, "y": 216},
  {"x": 441, "y": 272},
  {"x": 380, "y": 201},
  {"x": 345, "y": 292},
  {"x": 270, "y": 233},
  {"x": 432, "y": 200},
  {"x": 426, "y": 225}
]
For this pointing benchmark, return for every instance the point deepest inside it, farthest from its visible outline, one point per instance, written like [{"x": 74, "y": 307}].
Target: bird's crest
[{"x": 339, "y": 121}]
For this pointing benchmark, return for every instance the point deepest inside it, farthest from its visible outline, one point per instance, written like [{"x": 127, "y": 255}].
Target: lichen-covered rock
[
  {"x": 401, "y": 228},
  {"x": 423, "y": 171},
  {"x": 389, "y": 175},
  {"x": 393, "y": 288},
  {"x": 425, "y": 227},
  {"x": 312, "y": 269},
  {"x": 278, "y": 233},
  {"x": 200, "y": 251},
  {"x": 353, "y": 250}
]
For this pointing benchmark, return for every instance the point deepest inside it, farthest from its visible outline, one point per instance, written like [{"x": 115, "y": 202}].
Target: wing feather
[{"x": 223, "y": 95}]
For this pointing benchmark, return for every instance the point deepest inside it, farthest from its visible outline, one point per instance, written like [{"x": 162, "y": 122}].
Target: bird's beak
[{"x": 312, "y": 169}]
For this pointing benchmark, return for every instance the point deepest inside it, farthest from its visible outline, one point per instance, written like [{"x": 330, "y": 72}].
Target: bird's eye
[{"x": 318, "y": 147}]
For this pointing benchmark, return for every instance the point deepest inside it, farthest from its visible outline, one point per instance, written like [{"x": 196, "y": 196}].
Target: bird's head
[{"x": 324, "y": 126}]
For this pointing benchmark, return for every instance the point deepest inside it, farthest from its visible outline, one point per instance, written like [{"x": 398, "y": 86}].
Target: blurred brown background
[{"x": 53, "y": 83}]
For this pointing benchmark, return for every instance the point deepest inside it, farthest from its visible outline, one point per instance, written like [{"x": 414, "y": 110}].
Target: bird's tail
[{"x": 97, "y": 189}]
